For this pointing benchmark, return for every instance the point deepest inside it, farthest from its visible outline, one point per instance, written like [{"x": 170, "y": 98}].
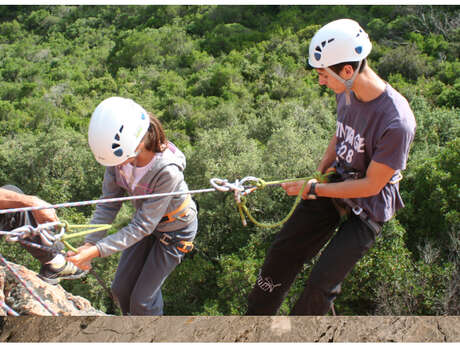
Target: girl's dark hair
[
  {"x": 338, "y": 67},
  {"x": 155, "y": 138}
]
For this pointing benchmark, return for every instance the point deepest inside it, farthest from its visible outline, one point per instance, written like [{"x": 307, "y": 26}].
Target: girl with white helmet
[
  {"x": 375, "y": 127},
  {"x": 131, "y": 143}
]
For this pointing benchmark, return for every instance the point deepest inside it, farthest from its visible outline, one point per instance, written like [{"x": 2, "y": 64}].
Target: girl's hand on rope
[
  {"x": 82, "y": 259},
  {"x": 293, "y": 188}
]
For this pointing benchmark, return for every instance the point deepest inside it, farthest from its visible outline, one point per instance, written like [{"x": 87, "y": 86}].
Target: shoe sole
[{"x": 55, "y": 281}]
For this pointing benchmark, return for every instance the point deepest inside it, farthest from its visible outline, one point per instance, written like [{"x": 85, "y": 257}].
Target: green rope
[
  {"x": 92, "y": 227},
  {"x": 242, "y": 209}
]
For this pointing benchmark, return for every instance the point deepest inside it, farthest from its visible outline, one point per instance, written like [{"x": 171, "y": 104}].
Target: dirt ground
[{"x": 230, "y": 329}]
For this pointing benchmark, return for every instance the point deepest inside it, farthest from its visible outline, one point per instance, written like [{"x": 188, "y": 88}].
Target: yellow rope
[
  {"x": 92, "y": 227},
  {"x": 242, "y": 209}
]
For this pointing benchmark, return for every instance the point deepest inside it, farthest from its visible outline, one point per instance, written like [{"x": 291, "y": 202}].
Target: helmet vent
[
  {"x": 318, "y": 49},
  {"x": 359, "y": 49},
  {"x": 116, "y": 146}
]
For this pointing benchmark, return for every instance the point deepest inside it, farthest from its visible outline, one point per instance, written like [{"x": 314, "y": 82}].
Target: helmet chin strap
[{"x": 348, "y": 83}]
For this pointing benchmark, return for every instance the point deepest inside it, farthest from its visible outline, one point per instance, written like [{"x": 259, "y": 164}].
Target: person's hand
[
  {"x": 293, "y": 188},
  {"x": 46, "y": 215},
  {"x": 82, "y": 258}
]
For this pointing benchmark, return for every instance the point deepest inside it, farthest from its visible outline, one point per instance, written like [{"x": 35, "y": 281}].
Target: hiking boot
[{"x": 54, "y": 276}]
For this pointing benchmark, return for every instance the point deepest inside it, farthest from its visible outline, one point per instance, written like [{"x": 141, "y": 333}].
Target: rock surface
[
  {"x": 78, "y": 321},
  {"x": 58, "y": 300},
  {"x": 231, "y": 329}
]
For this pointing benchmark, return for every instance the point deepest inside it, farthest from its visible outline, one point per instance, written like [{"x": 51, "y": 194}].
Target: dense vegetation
[{"x": 233, "y": 88}]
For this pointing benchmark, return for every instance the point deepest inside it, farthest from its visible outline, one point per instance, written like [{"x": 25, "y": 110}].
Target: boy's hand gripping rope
[{"x": 241, "y": 191}]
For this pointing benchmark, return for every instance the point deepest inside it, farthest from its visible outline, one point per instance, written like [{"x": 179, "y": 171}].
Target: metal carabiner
[
  {"x": 19, "y": 233},
  {"x": 357, "y": 210}
]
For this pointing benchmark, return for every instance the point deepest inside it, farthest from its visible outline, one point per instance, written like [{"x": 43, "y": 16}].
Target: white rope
[
  {"x": 103, "y": 201},
  {"x": 218, "y": 184}
]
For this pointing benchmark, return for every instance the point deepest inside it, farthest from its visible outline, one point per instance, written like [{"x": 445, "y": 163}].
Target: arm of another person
[
  {"x": 377, "y": 176},
  {"x": 10, "y": 199}
]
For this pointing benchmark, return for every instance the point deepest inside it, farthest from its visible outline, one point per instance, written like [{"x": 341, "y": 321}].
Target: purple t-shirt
[{"x": 380, "y": 130}]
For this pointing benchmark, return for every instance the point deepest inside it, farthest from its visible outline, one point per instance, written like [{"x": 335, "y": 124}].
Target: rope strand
[{"x": 102, "y": 201}]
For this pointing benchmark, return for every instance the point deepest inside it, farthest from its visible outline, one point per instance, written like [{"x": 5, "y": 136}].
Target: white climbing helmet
[
  {"x": 116, "y": 128},
  {"x": 339, "y": 41}
]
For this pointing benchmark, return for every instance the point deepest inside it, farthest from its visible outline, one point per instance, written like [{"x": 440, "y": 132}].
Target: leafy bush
[{"x": 406, "y": 60}]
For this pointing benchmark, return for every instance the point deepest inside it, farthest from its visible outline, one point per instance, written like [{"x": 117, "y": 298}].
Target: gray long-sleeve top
[{"x": 164, "y": 176}]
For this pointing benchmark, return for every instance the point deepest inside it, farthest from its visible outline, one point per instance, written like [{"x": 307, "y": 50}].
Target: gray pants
[
  {"x": 11, "y": 221},
  {"x": 142, "y": 270}
]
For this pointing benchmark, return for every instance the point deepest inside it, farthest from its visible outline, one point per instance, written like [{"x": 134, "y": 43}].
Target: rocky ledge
[{"x": 56, "y": 299}]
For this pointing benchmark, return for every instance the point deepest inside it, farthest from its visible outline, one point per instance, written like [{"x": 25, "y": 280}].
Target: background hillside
[{"x": 232, "y": 86}]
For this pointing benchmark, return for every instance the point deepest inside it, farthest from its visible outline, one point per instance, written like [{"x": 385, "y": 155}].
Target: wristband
[{"x": 312, "y": 190}]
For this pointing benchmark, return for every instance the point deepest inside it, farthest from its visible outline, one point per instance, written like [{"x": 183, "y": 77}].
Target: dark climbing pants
[
  {"x": 307, "y": 231},
  {"x": 11, "y": 221},
  {"x": 143, "y": 269}
]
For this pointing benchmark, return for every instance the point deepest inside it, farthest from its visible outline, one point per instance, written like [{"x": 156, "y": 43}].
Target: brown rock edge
[{"x": 230, "y": 329}]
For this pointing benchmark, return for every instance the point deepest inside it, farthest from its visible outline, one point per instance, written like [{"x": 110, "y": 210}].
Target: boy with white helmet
[
  {"x": 131, "y": 143},
  {"x": 375, "y": 127}
]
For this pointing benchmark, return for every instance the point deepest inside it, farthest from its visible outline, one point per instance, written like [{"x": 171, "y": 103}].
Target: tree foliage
[{"x": 232, "y": 87}]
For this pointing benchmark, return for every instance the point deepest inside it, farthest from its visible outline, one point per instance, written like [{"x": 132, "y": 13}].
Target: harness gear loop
[
  {"x": 185, "y": 246},
  {"x": 166, "y": 239},
  {"x": 345, "y": 205}
]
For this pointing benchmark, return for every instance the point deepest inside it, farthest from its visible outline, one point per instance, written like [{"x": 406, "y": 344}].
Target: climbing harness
[
  {"x": 166, "y": 239},
  {"x": 358, "y": 211},
  {"x": 172, "y": 216},
  {"x": 345, "y": 206}
]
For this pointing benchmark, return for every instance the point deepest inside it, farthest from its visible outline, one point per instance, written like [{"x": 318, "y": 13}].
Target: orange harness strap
[{"x": 169, "y": 217}]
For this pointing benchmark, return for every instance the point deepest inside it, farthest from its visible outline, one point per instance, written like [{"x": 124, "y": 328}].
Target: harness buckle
[{"x": 165, "y": 239}]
